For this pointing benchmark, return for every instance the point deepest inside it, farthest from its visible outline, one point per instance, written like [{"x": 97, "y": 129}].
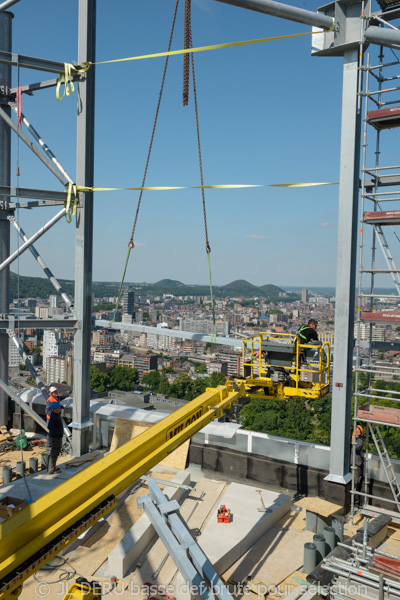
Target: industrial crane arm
[{"x": 39, "y": 531}]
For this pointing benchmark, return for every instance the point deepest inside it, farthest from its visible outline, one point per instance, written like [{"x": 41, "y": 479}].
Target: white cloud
[
  {"x": 325, "y": 224},
  {"x": 254, "y": 236}
]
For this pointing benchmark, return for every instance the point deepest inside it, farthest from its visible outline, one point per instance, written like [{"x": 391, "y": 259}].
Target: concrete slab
[{"x": 225, "y": 543}]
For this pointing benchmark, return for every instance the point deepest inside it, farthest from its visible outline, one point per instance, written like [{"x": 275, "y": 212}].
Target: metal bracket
[
  {"x": 141, "y": 500},
  {"x": 81, "y": 426},
  {"x": 14, "y": 57},
  {"x": 168, "y": 507}
]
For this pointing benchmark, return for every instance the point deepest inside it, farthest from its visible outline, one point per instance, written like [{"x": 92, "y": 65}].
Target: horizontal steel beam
[
  {"x": 29, "y": 62},
  {"x": 31, "y": 323},
  {"x": 41, "y": 85},
  {"x": 13, "y": 192},
  {"x": 382, "y": 181},
  {"x": 285, "y": 11},
  {"x": 383, "y": 37},
  {"x": 184, "y": 335}
]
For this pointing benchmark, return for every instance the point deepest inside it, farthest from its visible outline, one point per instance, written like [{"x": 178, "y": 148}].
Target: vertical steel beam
[
  {"x": 5, "y": 178},
  {"x": 345, "y": 272},
  {"x": 84, "y": 229}
]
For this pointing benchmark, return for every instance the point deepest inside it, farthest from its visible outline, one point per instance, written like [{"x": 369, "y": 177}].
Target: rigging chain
[
  {"x": 208, "y": 248},
  {"x": 186, "y": 46}
]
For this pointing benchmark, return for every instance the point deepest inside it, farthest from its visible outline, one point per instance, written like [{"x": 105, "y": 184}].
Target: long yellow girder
[{"x": 30, "y": 530}]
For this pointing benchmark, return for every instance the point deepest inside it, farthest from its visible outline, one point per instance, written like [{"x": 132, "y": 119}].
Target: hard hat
[
  {"x": 360, "y": 428},
  {"x": 52, "y": 389}
]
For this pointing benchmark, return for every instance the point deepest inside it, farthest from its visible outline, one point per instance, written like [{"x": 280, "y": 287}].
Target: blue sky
[{"x": 269, "y": 113}]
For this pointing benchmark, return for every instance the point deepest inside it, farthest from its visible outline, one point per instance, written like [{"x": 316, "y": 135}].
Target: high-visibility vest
[{"x": 300, "y": 335}]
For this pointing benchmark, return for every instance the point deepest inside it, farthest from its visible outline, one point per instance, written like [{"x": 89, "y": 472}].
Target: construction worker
[
  {"x": 358, "y": 463},
  {"x": 307, "y": 335},
  {"x": 56, "y": 429},
  {"x": 54, "y": 397}
]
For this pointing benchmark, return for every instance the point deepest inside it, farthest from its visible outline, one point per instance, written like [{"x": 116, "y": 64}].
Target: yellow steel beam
[{"x": 36, "y": 525}]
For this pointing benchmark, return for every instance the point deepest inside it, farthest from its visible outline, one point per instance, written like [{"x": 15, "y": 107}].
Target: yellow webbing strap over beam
[
  {"x": 68, "y": 83},
  {"x": 232, "y": 186},
  {"x": 68, "y": 67},
  {"x": 36, "y": 525}
]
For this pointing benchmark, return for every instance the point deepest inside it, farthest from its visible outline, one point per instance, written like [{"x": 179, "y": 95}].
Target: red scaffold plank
[
  {"x": 388, "y": 316},
  {"x": 385, "y": 118},
  {"x": 381, "y": 414},
  {"x": 383, "y": 217}
]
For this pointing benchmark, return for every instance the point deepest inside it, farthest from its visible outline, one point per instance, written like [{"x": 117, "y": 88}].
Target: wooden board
[
  {"x": 273, "y": 557},
  {"x": 127, "y": 430},
  {"x": 288, "y": 585},
  {"x": 319, "y": 506}
]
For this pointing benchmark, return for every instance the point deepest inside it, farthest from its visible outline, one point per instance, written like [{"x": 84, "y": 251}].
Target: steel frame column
[
  {"x": 84, "y": 230},
  {"x": 345, "y": 273},
  {"x": 5, "y": 178}
]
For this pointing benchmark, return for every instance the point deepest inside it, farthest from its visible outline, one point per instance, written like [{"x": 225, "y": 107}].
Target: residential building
[
  {"x": 217, "y": 366},
  {"x": 53, "y": 304},
  {"x": 55, "y": 369},
  {"x": 304, "y": 295},
  {"x": 42, "y": 312},
  {"x": 234, "y": 362},
  {"x": 129, "y": 303},
  {"x": 53, "y": 345},
  {"x": 144, "y": 363}
]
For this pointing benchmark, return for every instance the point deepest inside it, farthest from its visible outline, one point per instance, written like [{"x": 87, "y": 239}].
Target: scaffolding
[{"x": 380, "y": 184}]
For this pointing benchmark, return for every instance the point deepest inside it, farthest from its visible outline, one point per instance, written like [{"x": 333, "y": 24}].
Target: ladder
[{"x": 386, "y": 462}]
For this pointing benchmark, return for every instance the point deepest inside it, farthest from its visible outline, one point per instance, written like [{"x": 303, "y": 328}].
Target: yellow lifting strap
[
  {"x": 85, "y": 66},
  {"x": 68, "y": 83},
  {"x": 71, "y": 210}
]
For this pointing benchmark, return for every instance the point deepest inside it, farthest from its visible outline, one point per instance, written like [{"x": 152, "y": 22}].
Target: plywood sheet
[
  {"x": 127, "y": 430},
  {"x": 273, "y": 557},
  {"x": 287, "y": 586},
  {"x": 319, "y": 506}
]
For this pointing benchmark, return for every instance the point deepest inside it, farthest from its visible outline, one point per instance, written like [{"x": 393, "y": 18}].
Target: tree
[
  {"x": 123, "y": 378},
  {"x": 199, "y": 386},
  {"x": 217, "y": 379},
  {"x": 182, "y": 384},
  {"x": 202, "y": 369},
  {"x": 164, "y": 387},
  {"x": 152, "y": 380},
  {"x": 381, "y": 355},
  {"x": 99, "y": 381}
]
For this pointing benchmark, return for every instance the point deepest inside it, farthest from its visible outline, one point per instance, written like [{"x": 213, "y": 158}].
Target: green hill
[
  {"x": 240, "y": 287},
  {"x": 40, "y": 287}
]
